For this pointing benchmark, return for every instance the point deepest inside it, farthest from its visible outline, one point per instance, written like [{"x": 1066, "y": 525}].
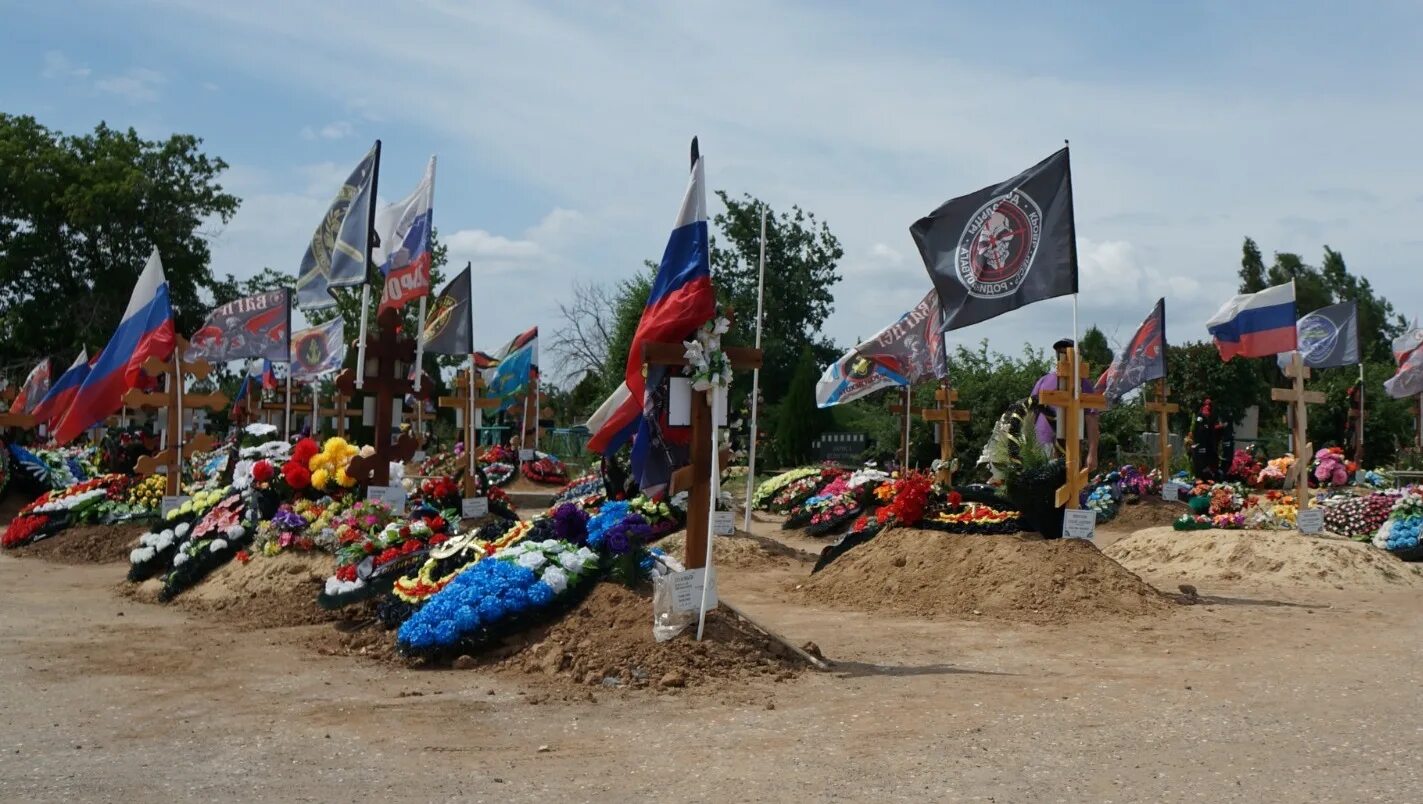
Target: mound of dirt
[
  {"x": 275, "y": 592},
  {"x": 1150, "y": 512},
  {"x": 607, "y": 640},
  {"x": 1276, "y": 558},
  {"x": 87, "y": 544},
  {"x": 743, "y": 551},
  {"x": 929, "y": 573}
]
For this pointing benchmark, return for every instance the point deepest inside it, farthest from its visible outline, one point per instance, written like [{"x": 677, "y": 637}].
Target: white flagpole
[
  {"x": 178, "y": 394},
  {"x": 524, "y": 425},
  {"x": 717, "y": 400},
  {"x": 420, "y": 345},
  {"x": 470, "y": 410},
  {"x": 756, "y": 379},
  {"x": 287, "y": 427},
  {"x": 361, "y": 339}
]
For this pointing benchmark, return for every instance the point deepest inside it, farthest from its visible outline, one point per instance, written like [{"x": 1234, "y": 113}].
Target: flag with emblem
[
  {"x": 1002, "y": 247},
  {"x": 1143, "y": 360},
  {"x": 35, "y": 387},
  {"x": 403, "y": 253},
  {"x": 253, "y": 326},
  {"x": 1327, "y": 337},
  {"x": 903, "y": 353},
  {"x": 337, "y": 256},
  {"x": 448, "y": 329},
  {"x": 318, "y": 350}
]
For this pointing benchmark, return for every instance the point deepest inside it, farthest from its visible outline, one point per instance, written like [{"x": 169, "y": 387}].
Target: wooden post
[
  {"x": 943, "y": 417},
  {"x": 905, "y": 411},
  {"x": 1070, "y": 406},
  {"x": 386, "y": 375},
  {"x": 173, "y": 398},
  {"x": 1163, "y": 407},
  {"x": 466, "y": 402},
  {"x": 696, "y": 476},
  {"x": 1299, "y": 400}
]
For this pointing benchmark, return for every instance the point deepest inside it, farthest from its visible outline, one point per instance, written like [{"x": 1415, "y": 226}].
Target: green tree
[
  {"x": 1311, "y": 291},
  {"x": 1197, "y": 373},
  {"x": 79, "y": 216},
  {"x": 1094, "y": 350},
  {"x": 1252, "y": 268},
  {"x": 798, "y": 419},
  {"x": 802, "y": 258},
  {"x": 1379, "y": 324}
]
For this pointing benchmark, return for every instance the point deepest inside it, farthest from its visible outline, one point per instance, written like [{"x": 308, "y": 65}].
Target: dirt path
[{"x": 1304, "y": 695}]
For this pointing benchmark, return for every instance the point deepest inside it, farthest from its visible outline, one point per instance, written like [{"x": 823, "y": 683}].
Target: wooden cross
[
  {"x": 465, "y": 404},
  {"x": 1300, "y": 400},
  {"x": 172, "y": 397},
  {"x": 943, "y": 417},
  {"x": 696, "y": 477},
  {"x": 1070, "y": 405},
  {"x": 386, "y": 372},
  {"x": 1163, "y": 407},
  {"x": 338, "y": 411},
  {"x": 905, "y": 412},
  {"x": 278, "y": 407}
]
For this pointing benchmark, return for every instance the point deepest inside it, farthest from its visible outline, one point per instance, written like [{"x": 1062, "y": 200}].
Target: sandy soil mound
[
  {"x": 274, "y": 592},
  {"x": 86, "y": 544},
  {"x": 743, "y": 551},
  {"x": 928, "y": 573},
  {"x": 1151, "y": 512},
  {"x": 1256, "y": 556},
  {"x": 607, "y": 640}
]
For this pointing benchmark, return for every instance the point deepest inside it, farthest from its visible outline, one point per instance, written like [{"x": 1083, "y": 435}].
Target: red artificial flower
[
  {"x": 388, "y": 555},
  {"x": 405, "y": 532},
  {"x": 296, "y": 475},
  {"x": 262, "y": 471},
  {"x": 305, "y": 450},
  {"x": 438, "y": 538},
  {"x": 436, "y": 523},
  {"x": 955, "y": 499},
  {"x": 243, "y": 556},
  {"x": 346, "y": 573}
]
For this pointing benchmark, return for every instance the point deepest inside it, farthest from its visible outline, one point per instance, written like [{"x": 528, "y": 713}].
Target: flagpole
[
  {"x": 178, "y": 397},
  {"x": 524, "y": 426},
  {"x": 756, "y": 378},
  {"x": 470, "y": 410},
  {"x": 287, "y": 425},
  {"x": 717, "y": 399},
  {"x": 1076, "y": 358},
  {"x": 366, "y": 280},
  {"x": 908, "y": 418},
  {"x": 538, "y": 401},
  {"x": 1359, "y": 447},
  {"x": 315, "y": 410},
  {"x": 420, "y": 343}
]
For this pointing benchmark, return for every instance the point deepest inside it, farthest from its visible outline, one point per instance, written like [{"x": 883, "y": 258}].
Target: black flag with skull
[{"x": 1004, "y": 246}]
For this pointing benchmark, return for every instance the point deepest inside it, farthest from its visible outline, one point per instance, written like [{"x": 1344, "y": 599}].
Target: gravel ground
[{"x": 1296, "y": 694}]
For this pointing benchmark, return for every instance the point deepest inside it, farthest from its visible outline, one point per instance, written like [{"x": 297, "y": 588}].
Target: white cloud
[
  {"x": 592, "y": 111},
  {"x": 137, "y": 85},
  {"x": 337, "y": 130},
  {"x": 58, "y": 65}
]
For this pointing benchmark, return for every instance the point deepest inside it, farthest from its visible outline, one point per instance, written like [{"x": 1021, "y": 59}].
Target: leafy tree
[
  {"x": 79, "y": 216},
  {"x": 1094, "y": 350},
  {"x": 1252, "y": 268},
  {"x": 801, "y": 269},
  {"x": 1311, "y": 290},
  {"x": 1197, "y": 373},
  {"x": 627, "y": 312},
  {"x": 1379, "y": 324},
  {"x": 798, "y": 420}
]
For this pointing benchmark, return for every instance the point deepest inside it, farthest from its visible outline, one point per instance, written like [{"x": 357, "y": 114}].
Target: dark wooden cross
[
  {"x": 338, "y": 412},
  {"x": 1299, "y": 401},
  {"x": 389, "y": 354},
  {"x": 696, "y": 476},
  {"x": 1070, "y": 405},
  {"x": 278, "y": 405},
  {"x": 943, "y": 417},
  {"x": 1163, "y": 407},
  {"x": 172, "y": 397},
  {"x": 465, "y": 403}
]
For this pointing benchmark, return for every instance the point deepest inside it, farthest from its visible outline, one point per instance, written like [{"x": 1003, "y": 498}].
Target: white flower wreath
[{"x": 710, "y": 366}]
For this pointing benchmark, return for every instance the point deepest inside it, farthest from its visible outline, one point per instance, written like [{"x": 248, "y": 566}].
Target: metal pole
[
  {"x": 717, "y": 399},
  {"x": 756, "y": 379},
  {"x": 287, "y": 426}
]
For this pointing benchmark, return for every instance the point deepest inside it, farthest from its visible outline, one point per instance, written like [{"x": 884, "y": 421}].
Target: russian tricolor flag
[
  {"x": 681, "y": 300},
  {"x": 1256, "y": 324},
  {"x": 61, "y": 394},
  {"x": 404, "y": 229},
  {"x": 145, "y": 331}
]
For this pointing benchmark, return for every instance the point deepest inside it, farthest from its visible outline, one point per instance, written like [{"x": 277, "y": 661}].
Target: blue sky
[{"x": 562, "y": 129}]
